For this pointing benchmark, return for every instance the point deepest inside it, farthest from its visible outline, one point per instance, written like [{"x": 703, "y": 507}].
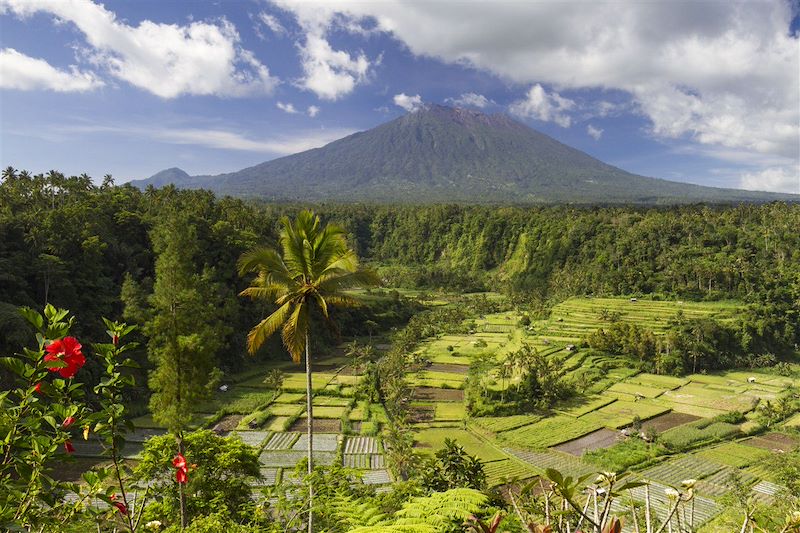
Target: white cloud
[
  {"x": 272, "y": 22},
  {"x": 168, "y": 60},
  {"x": 723, "y": 74},
  {"x": 330, "y": 74},
  {"x": 312, "y": 111},
  {"x": 19, "y": 71},
  {"x": 289, "y": 108},
  {"x": 540, "y": 105},
  {"x": 774, "y": 179},
  {"x": 409, "y": 103},
  {"x": 470, "y": 99},
  {"x": 594, "y": 133},
  {"x": 218, "y": 138}
]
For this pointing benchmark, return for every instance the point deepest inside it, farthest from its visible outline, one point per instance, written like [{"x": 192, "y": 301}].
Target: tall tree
[
  {"x": 312, "y": 270},
  {"x": 184, "y": 330}
]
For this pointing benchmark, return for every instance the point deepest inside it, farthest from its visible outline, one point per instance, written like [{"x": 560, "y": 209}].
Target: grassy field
[{"x": 523, "y": 445}]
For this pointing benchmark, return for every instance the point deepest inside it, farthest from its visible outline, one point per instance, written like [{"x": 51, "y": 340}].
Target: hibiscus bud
[
  {"x": 68, "y": 422},
  {"x": 115, "y": 339},
  {"x": 38, "y": 388},
  {"x": 86, "y": 433},
  {"x": 68, "y": 446}
]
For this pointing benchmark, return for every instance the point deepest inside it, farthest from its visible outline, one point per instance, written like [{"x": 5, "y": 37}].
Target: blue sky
[{"x": 707, "y": 92}]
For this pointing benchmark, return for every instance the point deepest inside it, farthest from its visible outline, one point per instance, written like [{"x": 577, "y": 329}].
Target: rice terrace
[{"x": 314, "y": 266}]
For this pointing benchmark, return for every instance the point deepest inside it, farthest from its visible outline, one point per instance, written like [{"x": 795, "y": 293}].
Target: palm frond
[
  {"x": 294, "y": 331},
  {"x": 264, "y": 329},
  {"x": 269, "y": 292},
  {"x": 259, "y": 259},
  {"x": 342, "y": 300},
  {"x": 335, "y": 282},
  {"x": 323, "y": 305}
]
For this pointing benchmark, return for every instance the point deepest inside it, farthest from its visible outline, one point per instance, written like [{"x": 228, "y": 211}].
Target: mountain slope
[{"x": 441, "y": 154}]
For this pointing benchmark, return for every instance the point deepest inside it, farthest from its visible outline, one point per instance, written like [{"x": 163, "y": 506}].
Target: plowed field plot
[
  {"x": 720, "y": 483},
  {"x": 319, "y": 425},
  {"x": 422, "y": 413},
  {"x": 282, "y": 441},
  {"x": 448, "y": 368},
  {"x": 253, "y": 438},
  {"x": 704, "y": 508},
  {"x": 602, "y": 438},
  {"x": 669, "y": 421},
  {"x": 773, "y": 441},
  {"x": 322, "y": 443},
  {"x": 361, "y": 445},
  {"x": 377, "y": 477},
  {"x": 566, "y": 464},
  {"x": 377, "y": 462},
  {"x": 766, "y": 491},
  {"x": 289, "y": 458},
  {"x": 363, "y": 461},
  {"x": 674, "y": 471},
  {"x": 269, "y": 476},
  {"x": 439, "y": 395}
]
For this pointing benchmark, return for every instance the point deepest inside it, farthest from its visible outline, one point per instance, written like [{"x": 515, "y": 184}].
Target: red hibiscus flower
[
  {"x": 181, "y": 472},
  {"x": 68, "y": 422},
  {"x": 119, "y": 505},
  {"x": 68, "y": 446},
  {"x": 67, "y": 350}
]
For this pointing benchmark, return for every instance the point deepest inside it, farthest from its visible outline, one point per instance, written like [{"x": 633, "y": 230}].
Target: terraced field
[{"x": 679, "y": 407}]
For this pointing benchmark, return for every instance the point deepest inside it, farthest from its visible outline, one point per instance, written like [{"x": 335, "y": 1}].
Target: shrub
[{"x": 219, "y": 482}]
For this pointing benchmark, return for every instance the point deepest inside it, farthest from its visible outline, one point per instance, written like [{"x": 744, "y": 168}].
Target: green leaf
[
  {"x": 32, "y": 316},
  {"x": 15, "y": 365}
]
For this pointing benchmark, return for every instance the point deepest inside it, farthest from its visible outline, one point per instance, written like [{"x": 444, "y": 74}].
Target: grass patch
[
  {"x": 621, "y": 413},
  {"x": 329, "y": 412},
  {"x": 694, "y": 433},
  {"x": 734, "y": 454},
  {"x": 497, "y": 424},
  {"x": 550, "y": 431},
  {"x": 449, "y": 411},
  {"x": 432, "y": 439},
  {"x": 622, "y": 456}
]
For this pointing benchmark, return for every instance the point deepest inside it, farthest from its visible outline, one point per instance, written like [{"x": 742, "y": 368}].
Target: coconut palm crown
[{"x": 313, "y": 268}]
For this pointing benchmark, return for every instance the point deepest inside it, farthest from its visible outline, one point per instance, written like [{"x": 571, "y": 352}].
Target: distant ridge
[{"x": 444, "y": 154}]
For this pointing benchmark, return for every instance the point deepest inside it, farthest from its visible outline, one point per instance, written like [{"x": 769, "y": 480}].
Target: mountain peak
[{"x": 439, "y": 153}]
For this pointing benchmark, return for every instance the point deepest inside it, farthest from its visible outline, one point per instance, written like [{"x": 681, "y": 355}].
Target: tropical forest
[{"x": 177, "y": 361}]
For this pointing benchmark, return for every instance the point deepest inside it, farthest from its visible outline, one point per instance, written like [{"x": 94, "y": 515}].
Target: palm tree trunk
[{"x": 310, "y": 419}]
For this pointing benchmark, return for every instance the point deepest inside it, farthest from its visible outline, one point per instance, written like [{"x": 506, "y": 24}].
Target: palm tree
[{"x": 312, "y": 270}]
